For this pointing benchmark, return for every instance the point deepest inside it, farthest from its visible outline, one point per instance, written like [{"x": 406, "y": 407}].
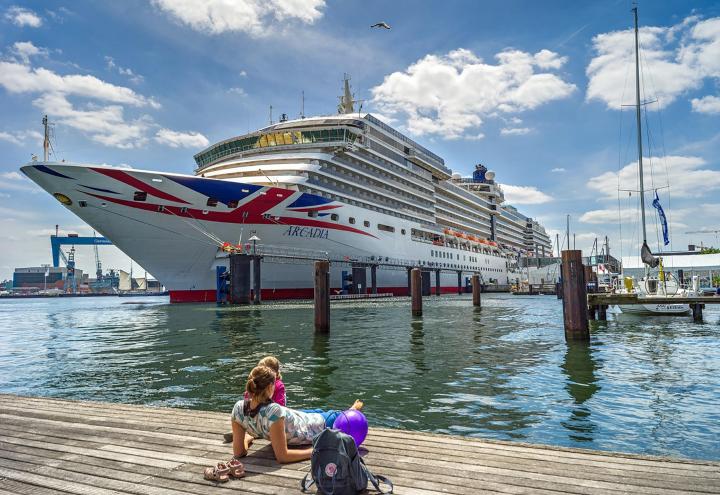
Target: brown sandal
[
  {"x": 237, "y": 469},
  {"x": 218, "y": 473}
]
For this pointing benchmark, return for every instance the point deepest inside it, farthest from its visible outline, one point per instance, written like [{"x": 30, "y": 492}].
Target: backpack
[{"x": 337, "y": 468}]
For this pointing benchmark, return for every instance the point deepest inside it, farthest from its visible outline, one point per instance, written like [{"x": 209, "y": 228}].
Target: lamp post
[{"x": 254, "y": 240}]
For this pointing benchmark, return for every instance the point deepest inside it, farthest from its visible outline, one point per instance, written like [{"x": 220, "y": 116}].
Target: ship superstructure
[{"x": 347, "y": 185}]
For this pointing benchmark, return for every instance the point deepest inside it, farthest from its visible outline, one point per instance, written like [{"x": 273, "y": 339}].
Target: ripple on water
[{"x": 645, "y": 385}]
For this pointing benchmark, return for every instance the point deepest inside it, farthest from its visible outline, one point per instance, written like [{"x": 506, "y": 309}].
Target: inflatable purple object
[{"x": 353, "y": 423}]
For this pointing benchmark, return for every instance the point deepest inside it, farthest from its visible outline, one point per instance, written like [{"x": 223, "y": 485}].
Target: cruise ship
[{"x": 345, "y": 187}]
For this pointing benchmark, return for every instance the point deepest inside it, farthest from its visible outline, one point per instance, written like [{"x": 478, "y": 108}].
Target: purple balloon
[{"x": 353, "y": 423}]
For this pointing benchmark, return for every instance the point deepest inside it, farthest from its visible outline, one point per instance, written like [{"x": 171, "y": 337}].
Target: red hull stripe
[
  {"x": 254, "y": 208},
  {"x": 132, "y": 181},
  {"x": 188, "y": 296}
]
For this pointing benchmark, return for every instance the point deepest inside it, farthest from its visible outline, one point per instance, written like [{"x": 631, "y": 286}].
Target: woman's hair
[
  {"x": 273, "y": 363},
  {"x": 258, "y": 383}
]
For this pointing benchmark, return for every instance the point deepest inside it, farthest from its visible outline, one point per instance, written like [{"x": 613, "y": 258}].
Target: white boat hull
[
  {"x": 172, "y": 232},
  {"x": 655, "y": 309}
]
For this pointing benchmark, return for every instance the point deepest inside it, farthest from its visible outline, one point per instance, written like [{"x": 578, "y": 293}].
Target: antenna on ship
[
  {"x": 46, "y": 139},
  {"x": 347, "y": 100},
  {"x": 271, "y": 115},
  {"x": 302, "y": 105}
]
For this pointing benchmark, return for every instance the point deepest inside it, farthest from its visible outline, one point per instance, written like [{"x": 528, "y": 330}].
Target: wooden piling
[
  {"x": 322, "y": 296},
  {"x": 574, "y": 296},
  {"x": 239, "y": 279},
  {"x": 602, "y": 312},
  {"x": 257, "y": 286},
  {"x": 416, "y": 291},
  {"x": 476, "y": 290},
  {"x": 373, "y": 279},
  {"x": 437, "y": 282},
  {"x": 697, "y": 312},
  {"x": 459, "y": 283}
]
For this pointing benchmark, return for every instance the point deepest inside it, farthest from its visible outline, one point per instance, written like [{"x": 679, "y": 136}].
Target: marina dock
[{"x": 60, "y": 446}]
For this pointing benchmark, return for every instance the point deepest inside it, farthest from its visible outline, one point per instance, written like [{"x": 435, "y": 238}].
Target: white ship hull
[{"x": 172, "y": 232}]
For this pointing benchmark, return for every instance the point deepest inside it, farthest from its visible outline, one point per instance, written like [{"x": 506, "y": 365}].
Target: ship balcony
[{"x": 438, "y": 170}]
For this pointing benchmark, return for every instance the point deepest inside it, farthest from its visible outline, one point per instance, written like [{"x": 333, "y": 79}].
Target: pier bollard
[
  {"x": 239, "y": 279},
  {"x": 322, "y": 296},
  {"x": 602, "y": 312},
  {"x": 416, "y": 291},
  {"x": 437, "y": 282},
  {"x": 697, "y": 310},
  {"x": 373, "y": 279},
  {"x": 257, "y": 286},
  {"x": 476, "y": 290},
  {"x": 575, "y": 313}
]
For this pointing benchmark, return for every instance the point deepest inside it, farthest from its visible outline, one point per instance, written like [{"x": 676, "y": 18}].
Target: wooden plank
[{"x": 125, "y": 449}]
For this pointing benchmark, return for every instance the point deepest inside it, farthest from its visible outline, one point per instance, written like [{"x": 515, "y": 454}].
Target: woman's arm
[
  {"x": 279, "y": 444},
  {"x": 239, "y": 449}
]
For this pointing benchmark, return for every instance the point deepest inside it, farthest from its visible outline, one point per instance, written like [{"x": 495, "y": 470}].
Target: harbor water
[{"x": 646, "y": 385}]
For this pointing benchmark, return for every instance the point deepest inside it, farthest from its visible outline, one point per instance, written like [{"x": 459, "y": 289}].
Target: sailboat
[{"x": 663, "y": 285}]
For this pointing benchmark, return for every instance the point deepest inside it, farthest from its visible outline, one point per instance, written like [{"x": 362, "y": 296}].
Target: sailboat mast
[
  {"x": 46, "y": 139},
  {"x": 638, "y": 117}
]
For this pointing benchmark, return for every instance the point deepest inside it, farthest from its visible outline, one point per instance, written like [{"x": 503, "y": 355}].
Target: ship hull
[{"x": 173, "y": 225}]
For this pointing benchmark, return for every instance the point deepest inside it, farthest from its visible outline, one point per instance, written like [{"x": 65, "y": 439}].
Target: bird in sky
[{"x": 381, "y": 25}]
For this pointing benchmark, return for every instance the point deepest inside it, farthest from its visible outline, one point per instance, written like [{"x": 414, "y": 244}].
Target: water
[{"x": 644, "y": 384}]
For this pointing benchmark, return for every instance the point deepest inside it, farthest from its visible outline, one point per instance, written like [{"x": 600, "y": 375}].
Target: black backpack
[{"x": 337, "y": 469}]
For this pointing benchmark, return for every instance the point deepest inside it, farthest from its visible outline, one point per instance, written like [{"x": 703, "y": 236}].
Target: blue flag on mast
[{"x": 663, "y": 220}]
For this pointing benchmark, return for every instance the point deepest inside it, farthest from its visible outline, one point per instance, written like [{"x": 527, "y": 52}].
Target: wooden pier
[{"x": 58, "y": 446}]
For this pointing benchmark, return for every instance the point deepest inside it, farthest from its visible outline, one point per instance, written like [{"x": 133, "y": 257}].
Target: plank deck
[{"x": 82, "y": 447}]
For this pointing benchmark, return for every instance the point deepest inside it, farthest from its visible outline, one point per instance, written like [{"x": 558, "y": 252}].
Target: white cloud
[
  {"x": 685, "y": 177},
  {"x": 252, "y": 17},
  {"x": 11, "y": 176},
  {"x": 515, "y": 131},
  {"x": 674, "y": 59},
  {"x": 524, "y": 195},
  {"x": 475, "y": 137},
  {"x": 14, "y": 181},
  {"x": 610, "y": 216},
  {"x": 557, "y": 170},
  {"x": 707, "y": 104},
  {"x": 243, "y": 73},
  {"x": 104, "y": 124},
  {"x": 112, "y": 66},
  {"x": 22, "y": 17},
  {"x": 24, "y": 50},
  {"x": 20, "y": 78},
  {"x": 451, "y": 94},
  {"x": 237, "y": 91},
  {"x": 176, "y": 139},
  {"x": 21, "y": 137}
]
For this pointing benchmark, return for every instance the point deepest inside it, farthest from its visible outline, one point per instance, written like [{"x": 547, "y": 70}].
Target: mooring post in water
[
  {"x": 476, "y": 290},
  {"x": 459, "y": 283},
  {"x": 373, "y": 279},
  {"x": 697, "y": 310},
  {"x": 239, "y": 279},
  {"x": 322, "y": 296},
  {"x": 409, "y": 281},
  {"x": 437, "y": 282},
  {"x": 257, "y": 286},
  {"x": 574, "y": 296},
  {"x": 416, "y": 291},
  {"x": 602, "y": 312}
]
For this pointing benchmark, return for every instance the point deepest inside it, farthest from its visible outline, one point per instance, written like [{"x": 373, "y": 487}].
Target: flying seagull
[{"x": 381, "y": 25}]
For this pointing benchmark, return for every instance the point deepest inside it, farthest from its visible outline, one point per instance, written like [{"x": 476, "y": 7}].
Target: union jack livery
[{"x": 346, "y": 185}]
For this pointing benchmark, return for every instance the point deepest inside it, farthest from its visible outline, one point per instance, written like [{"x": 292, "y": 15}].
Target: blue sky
[{"x": 531, "y": 89}]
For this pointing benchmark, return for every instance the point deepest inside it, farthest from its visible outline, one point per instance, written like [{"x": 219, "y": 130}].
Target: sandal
[
  {"x": 237, "y": 469},
  {"x": 218, "y": 473}
]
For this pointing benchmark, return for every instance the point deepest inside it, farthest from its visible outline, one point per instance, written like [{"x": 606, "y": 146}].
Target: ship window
[
  {"x": 351, "y": 220},
  {"x": 313, "y": 214},
  {"x": 183, "y": 209},
  {"x": 366, "y": 223},
  {"x": 140, "y": 196},
  {"x": 82, "y": 204},
  {"x": 334, "y": 217},
  {"x": 386, "y": 228},
  {"x": 233, "y": 203},
  {"x": 402, "y": 231},
  {"x": 212, "y": 202},
  {"x": 266, "y": 216},
  {"x": 161, "y": 208}
]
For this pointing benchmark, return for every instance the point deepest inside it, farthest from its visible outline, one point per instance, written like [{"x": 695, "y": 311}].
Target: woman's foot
[
  {"x": 248, "y": 441},
  {"x": 358, "y": 405}
]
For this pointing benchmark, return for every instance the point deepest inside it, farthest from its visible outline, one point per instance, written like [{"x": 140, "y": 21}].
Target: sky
[{"x": 536, "y": 91}]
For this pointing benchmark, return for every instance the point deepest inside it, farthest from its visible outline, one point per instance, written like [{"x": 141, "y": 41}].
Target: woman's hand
[{"x": 278, "y": 440}]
